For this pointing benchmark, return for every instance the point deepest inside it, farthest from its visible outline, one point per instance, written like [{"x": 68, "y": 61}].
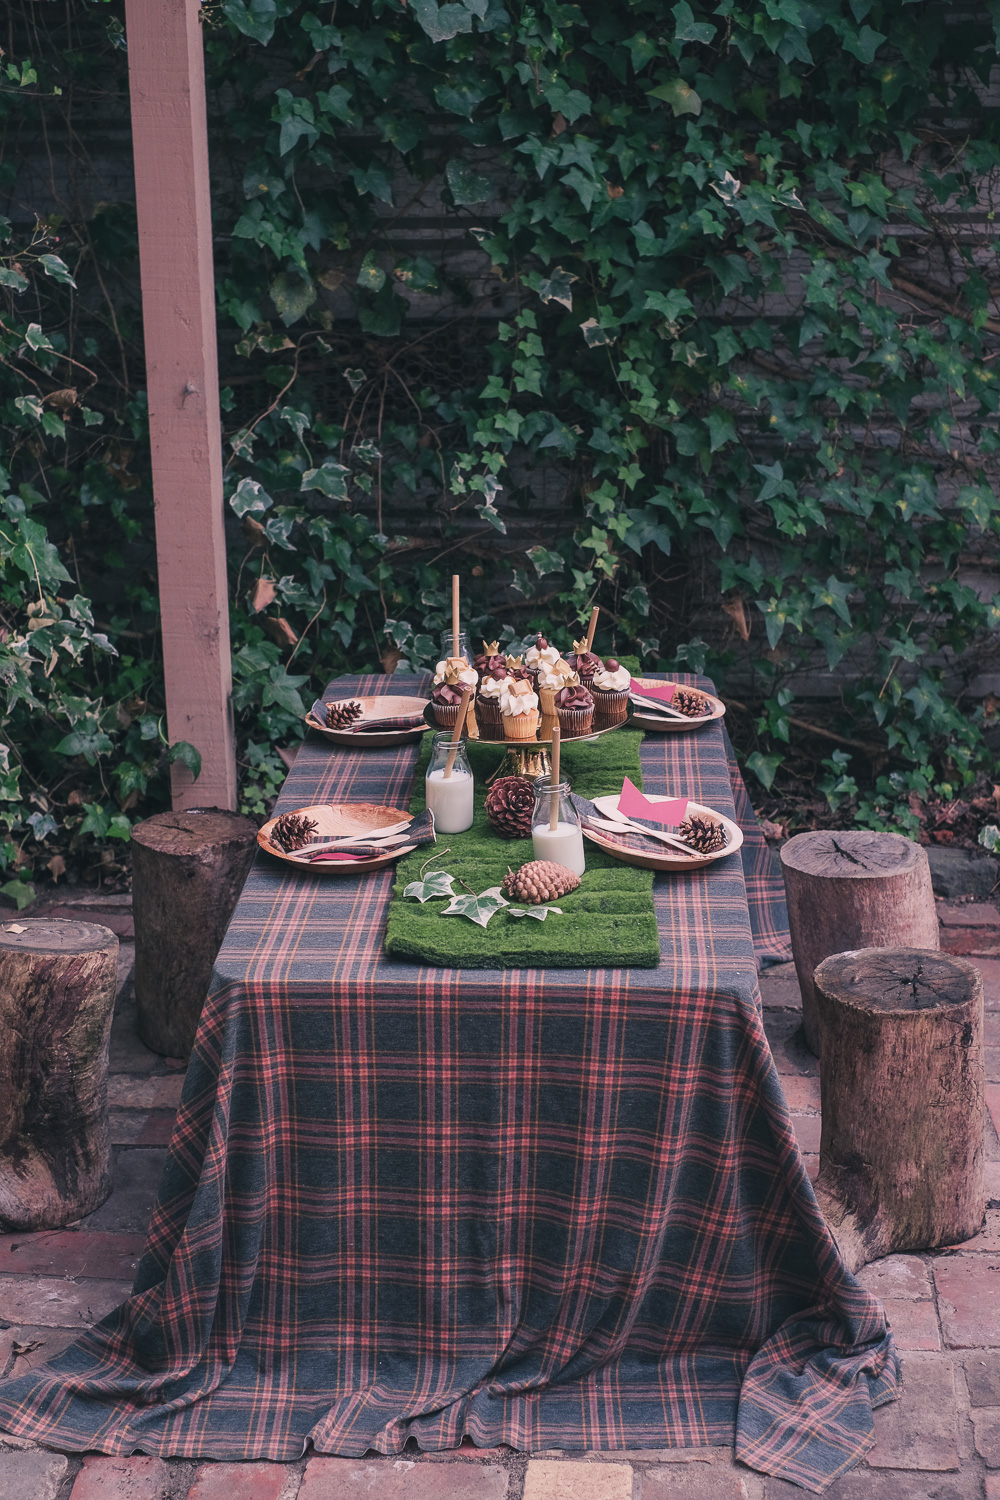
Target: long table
[{"x": 559, "y": 1208}]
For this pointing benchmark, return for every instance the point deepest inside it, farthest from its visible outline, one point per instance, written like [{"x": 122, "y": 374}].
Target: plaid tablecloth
[{"x": 559, "y": 1208}]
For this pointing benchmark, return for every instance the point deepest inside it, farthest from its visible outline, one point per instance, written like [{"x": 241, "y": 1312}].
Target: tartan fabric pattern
[{"x": 558, "y": 1208}]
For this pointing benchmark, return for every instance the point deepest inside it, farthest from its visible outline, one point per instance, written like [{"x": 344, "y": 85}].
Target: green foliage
[
  {"x": 697, "y": 311},
  {"x": 708, "y": 226},
  {"x": 82, "y": 745}
]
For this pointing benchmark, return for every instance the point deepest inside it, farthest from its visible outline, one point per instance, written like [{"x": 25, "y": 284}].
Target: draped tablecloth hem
[{"x": 609, "y": 1411}]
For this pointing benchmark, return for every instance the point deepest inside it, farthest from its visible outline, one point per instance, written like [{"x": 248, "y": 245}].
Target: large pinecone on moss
[
  {"x": 539, "y": 880},
  {"x": 342, "y": 715},
  {"x": 292, "y": 830},
  {"x": 703, "y": 834},
  {"x": 509, "y": 805},
  {"x": 694, "y": 705}
]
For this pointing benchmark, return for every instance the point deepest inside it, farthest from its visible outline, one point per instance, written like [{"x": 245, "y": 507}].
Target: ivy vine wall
[{"x": 687, "y": 310}]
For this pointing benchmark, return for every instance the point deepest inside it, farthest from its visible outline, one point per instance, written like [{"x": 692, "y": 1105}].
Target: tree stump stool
[
  {"x": 849, "y": 890},
  {"x": 57, "y": 998},
  {"x": 901, "y": 1073},
  {"x": 188, "y": 869}
]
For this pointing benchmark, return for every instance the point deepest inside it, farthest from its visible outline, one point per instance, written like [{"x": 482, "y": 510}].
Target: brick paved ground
[{"x": 941, "y": 1441}]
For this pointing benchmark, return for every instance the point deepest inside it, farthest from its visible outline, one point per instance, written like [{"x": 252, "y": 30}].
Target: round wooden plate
[
  {"x": 660, "y": 724},
  {"x": 337, "y": 820},
  {"x": 385, "y": 706},
  {"x": 667, "y": 860}
]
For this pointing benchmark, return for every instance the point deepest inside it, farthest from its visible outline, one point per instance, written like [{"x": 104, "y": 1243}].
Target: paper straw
[
  {"x": 592, "y": 627},
  {"x": 454, "y": 614},
  {"x": 554, "y": 792},
  {"x": 456, "y": 733}
]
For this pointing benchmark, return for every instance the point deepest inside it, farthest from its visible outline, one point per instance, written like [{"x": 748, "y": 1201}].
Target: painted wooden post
[{"x": 170, "y": 145}]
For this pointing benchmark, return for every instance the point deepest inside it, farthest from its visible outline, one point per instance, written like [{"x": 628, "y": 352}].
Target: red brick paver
[
  {"x": 558, "y": 1479},
  {"x": 251, "y": 1481},
  {"x": 919, "y": 1431},
  {"x": 134, "y": 1478},
  {"x": 401, "y": 1479},
  {"x": 969, "y": 1300},
  {"x": 71, "y": 1252},
  {"x": 690, "y": 1484}
]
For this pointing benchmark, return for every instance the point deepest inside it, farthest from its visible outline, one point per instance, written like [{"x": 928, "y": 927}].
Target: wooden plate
[
  {"x": 667, "y": 860},
  {"x": 385, "y": 706},
  {"x": 335, "y": 820},
  {"x": 660, "y": 724},
  {"x": 543, "y": 734}
]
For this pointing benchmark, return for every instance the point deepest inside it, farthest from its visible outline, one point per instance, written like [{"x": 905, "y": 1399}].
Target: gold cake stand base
[{"x": 523, "y": 760}]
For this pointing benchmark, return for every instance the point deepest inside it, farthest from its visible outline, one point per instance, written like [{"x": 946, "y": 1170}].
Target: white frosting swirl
[
  {"x": 534, "y": 658},
  {"x": 467, "y": 677},
  {"x": 493, "y": 687},
  {"x": 514, "y": 704},
  {"x": 557, "y": 674},
  {"x": 612, "y": 681}
]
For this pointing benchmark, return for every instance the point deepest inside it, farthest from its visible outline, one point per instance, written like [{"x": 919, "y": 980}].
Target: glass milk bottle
[
  {"x": 450, "y": 795},
  {"x": 555, "y": 826},
  {"x": 455, "y": 646}
]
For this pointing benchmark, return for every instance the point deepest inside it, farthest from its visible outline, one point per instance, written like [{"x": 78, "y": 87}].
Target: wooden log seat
[
  {"x": 57, "y": 997},
  {"x": 188, "y": 869},
  {"x": 853, "y": 889},
  {"x": 902, "y": 1080}
]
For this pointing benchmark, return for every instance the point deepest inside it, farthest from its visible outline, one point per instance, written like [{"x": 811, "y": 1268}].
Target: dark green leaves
[
  {"x": 468, "y": 187},
  {"x": 255, "y": 18}
]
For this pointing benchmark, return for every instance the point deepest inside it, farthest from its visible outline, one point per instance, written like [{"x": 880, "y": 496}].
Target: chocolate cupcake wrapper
[{"x": 575, "y": 721}]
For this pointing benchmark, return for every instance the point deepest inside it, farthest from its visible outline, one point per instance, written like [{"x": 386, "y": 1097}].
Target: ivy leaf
[
  {"x": 250, "y": 499},
  {"x": 437, "y": 883},
  {"x": 460, "y": 98},
  {"x": 679, "y": 95},
  {"x": 864, "y": 44},
  {"x": 478, "y": 909},
  {"x": 764, "y": 767},
  {"x": 594, "y": 335},
  {"x": 330, "y": 480},
  {"x": 557, "y": 288},
  {"x": 538, "y": 912},
  {"x": 442, "y": 22},
  {"x": 255, "y": 18},
  {"x": 13, "y": 279},
  {"x": 545, "y": 561},
  {"x": 688, "y": 29},
  {"x": 20, "y": 892},
  {"x": 292, "y": 295},
  {"x": 57, "y": 268},
  {"x": 187, "y": 755},
  {"x": 467, "y": 187}
]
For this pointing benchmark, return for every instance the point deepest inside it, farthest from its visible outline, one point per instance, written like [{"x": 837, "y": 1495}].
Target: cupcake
[
  {"x": 552, "y": 676},
  {"x": 519, "y": 707},
  {"x": 575, "y": 711},
  {"x": 492, "y": 687},
  {"x": 489, "y": 658},
  {"x": 456, "y": 671},
  {"x": 516, "y": 669},
  {"x": 538, "y": 655},
  {"x": 610, "y": 689},
  {"x": 584, "y": 663},
  {"x": 450, "y": 680}
]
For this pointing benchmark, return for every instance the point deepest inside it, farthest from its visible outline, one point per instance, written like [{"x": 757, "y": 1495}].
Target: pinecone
[
  {"x": 539, "y": 880},
  {"x": 343, "y": 715},
  {"x": 703, "y": 834},
  {"x": 509, "y": 805},
  {"x": 694, "y": 705},
  {"x": 292, "y": 830}
]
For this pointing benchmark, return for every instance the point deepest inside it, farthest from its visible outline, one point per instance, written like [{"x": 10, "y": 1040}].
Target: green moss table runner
[{"x": 610, "y": 922}]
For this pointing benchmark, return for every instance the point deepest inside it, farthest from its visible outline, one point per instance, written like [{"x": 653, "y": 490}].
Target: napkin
[
  {"x": 628, "y": 838},
  {"x": 632, "y": 804},
  {"x": 382, "y": 726},
  {"x": 664, "y": 691}
]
